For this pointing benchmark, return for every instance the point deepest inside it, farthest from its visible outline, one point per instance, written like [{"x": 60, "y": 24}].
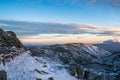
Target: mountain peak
[{"x": 8, "y": 39}]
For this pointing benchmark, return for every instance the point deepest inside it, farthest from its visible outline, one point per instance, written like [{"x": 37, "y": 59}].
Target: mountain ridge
[
  {"x": 77, "y": 52},
  {"x": 9, "y": 41}
]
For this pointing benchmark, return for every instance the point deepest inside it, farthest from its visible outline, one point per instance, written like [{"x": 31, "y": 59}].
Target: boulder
[{"x": 3, "y": 75}]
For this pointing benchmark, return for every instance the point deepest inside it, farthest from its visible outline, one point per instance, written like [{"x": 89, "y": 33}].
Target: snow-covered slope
[
  {"x": 93, "y": 50},
  {"x": 26, "y": 67}
]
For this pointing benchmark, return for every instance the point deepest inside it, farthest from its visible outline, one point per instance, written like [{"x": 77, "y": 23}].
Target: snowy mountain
[
  {"x": 74, "y": 52},
  {"x": 26, "y": 67}
]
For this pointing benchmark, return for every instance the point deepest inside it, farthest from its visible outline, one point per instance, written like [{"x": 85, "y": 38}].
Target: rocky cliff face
[{"x": 8, "y": 39}]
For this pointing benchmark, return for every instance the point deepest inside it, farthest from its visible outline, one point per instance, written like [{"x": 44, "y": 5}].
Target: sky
[{"x": 61, "y": 21}]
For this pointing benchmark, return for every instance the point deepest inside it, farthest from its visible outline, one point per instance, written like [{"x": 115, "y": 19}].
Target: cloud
[
  {"x": 113, "y": 3},
  {"x": 27, "y": 29},
  {"x": 94, "y": 29}
]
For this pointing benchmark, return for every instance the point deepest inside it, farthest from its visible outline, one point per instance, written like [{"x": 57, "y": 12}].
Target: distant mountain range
[
  {"x": 76, "y": 52},
  {"x": 111, "y": 47}
]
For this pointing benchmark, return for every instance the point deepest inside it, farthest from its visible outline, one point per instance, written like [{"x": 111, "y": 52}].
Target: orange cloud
[{"x": 65, "y": 40}]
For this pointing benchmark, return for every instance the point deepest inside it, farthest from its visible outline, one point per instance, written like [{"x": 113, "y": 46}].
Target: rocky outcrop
[
  {"x": 8, "y": 39},
  {"x": 3, "y": 75}
]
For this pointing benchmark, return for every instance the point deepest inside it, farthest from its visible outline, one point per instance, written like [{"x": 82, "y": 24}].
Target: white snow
[
  {"x": 92, "y": 50},
  {"x": 23, "y": 68}
]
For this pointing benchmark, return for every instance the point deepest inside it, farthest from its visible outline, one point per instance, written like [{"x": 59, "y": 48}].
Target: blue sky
[
  {"x": 99, "y": 12},
  {"x": 53, "y": 15}
]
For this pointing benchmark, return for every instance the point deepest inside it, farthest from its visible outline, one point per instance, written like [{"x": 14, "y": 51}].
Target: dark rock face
[
  {"x": 9, "y": 39},
  {"x": 50, "y": 78},
  {"x": 77, "y": 71},
  {"x": 38, "y": 79},
  {"x": 3, "y": 75}
]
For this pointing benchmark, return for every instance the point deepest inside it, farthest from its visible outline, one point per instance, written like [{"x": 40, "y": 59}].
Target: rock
[
  {"x": 50, "y": 78},
  {"x": 38, "y": 79},
  {"x": 117, "y": 77},
  {"x": 41, "y": 72},
  {"x": 45, "y": 65},
  {"x": 3, "y": 75},
  {"x": 9, "y": 39},
  {"x": 77, "y": 71},
  {"x": 86, "y": 75},
  {"x": 80, "y": 70}
]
